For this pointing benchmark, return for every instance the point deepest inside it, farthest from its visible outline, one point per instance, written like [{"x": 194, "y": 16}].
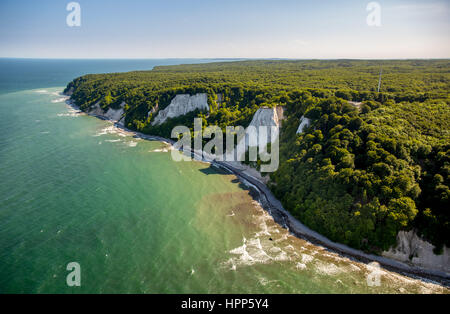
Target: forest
[{"x": 358, "y": 174}]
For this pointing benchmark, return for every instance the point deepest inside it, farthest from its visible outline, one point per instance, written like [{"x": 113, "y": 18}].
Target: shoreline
[{"x": 285, "y": 219}]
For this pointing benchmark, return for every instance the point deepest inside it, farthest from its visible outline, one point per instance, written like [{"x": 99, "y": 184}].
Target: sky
[{"x": 319, "y": 29}]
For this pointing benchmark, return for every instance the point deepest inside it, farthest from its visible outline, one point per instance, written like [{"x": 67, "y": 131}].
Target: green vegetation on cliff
[{"x": 357, "y": 174}]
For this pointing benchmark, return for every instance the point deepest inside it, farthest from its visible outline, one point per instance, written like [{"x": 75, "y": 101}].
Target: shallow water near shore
[{"x": 77, "y": 189}]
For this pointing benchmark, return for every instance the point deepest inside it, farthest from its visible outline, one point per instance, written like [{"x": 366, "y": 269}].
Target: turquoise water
[{"x": 76, "y": 189}]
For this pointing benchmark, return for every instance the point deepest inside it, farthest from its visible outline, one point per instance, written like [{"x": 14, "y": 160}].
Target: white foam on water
[
  {"x": 71, "y": 112},
  {"x": 111, "y": 129},
  {"x": 275, "y": 249},
  {"x": 283, "y": 237},
  {"x": 307, "y": 258},
  {"x": 335, "y": 257},
  {"x": 263, "y": 281},
  {"x": 132, "y": 144},
  {"x": 282, "y": 257},
  {"x": 162, "y": 150},
  {"x": 107, "y": 130},
  {"x": 261, "y": 248},
  {"x": 256, "y": 243},
  {"x": 353, "y": 267},
  {"x": 244, "y": 256},
  {"x": 262, "y": 218},
  {"x": 58, "y": 100},
  {"x": 264, "y": 230},
  {"x": 328, "y": 268},
  {"x": 423, "y": 290},
  {"x": 113, "y": 141},
  {"x": 339, "y": 282},
  {"x": 257, "y": 252},
  {"x": 300, "y": 266}
]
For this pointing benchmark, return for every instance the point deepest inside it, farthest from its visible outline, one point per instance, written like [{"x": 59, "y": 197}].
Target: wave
[
  {"x": 71, "y": 113},
  {"x": 112, "y": 129},
  {"x": 162, "y": 150},
  {"x": 328, "y": 269},
  {"x": 261, "y": 248},
  {"x": 61, "y": 99},
  {"x": 300, "y": 266}
]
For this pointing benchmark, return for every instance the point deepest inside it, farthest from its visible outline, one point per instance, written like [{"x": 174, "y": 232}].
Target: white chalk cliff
[
  {"x": 96, "y": 110},
  {"x": 266, "y": 117},
  {"x": 181, "y": 105},
  {"x": 269, "y": 117},
  {"x": 411, "y": 249},
  {"x": 153, "y": 110},
  {"x": 304, "y": 122}
]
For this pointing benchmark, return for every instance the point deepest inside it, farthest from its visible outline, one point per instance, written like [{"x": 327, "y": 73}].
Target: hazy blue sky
[{"x": 225, "y": 28}]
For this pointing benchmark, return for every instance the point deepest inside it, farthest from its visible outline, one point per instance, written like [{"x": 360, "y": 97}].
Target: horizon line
[{"x": 224, "y": 58}]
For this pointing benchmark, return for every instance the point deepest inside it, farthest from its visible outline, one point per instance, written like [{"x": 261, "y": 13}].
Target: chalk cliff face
[
  {"x": 154, "y": 109},
  {"x": 96, "y": 110},
  {"x": 263, "y": 117},
  {"x": 115, "y": 115},
  {"x": 304, "y": 122},
  {"x": 111, "y": 114},
  {"x": 266, "y": 117},
  {"x": 280, "y": 113},
  {"x": 181, "y": 105},
  {"x": 414, "y": 250}
]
